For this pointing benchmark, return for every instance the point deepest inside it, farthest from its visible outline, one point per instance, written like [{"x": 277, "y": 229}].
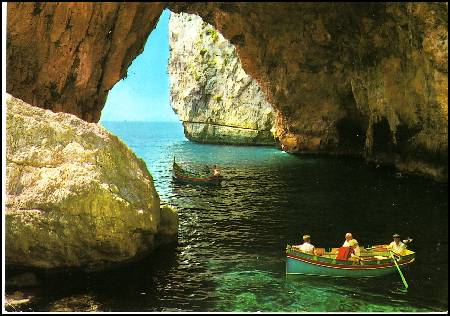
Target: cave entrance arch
[
  {"x": 187, "y": 65},
  {"x": 67, "y": 56}
]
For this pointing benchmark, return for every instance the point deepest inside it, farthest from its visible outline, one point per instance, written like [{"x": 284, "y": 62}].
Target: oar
[{"x": 399, "y": 271}]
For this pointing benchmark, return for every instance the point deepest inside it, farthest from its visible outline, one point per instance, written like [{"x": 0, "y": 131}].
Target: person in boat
[
  {"x": 348, "y": 238},
  {"x": 306, "y": 247},
  {"x": 348, "y": 252},
  {"x": 216, "y": 171},
  {"x": 355, "y": 254},
  {"x": 397, "y": 246}
]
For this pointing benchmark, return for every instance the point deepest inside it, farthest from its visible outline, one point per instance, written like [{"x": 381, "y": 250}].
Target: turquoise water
[{"x": 230, "y": 255}]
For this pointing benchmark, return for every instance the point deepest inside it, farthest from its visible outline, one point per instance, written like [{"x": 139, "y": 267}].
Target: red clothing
[{"x": 344, "y": 253}]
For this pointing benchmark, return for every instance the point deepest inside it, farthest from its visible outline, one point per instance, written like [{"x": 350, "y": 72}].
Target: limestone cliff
[
  {"x": 213, "y": 96},
  {"x": 367, "y": 79},
  {"x": 76, "y": 196}
]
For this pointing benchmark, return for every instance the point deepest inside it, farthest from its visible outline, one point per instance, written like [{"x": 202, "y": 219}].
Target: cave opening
[
  {"x": 351, "y": 134},
  {"x": 351, "y": 128},
  {"x": 143, "y": 94},
  {"x": 382, "y": 137},
  {"x": 189, "y": 73}
]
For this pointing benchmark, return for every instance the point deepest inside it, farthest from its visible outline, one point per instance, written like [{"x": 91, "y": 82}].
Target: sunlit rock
[
  {"x": 76, "y": 196},
  {"x": 168, "y": 231},
  {"x": 67, "y": 56},
  {"x": 17, "y": 301},
  {"x": 212, "y": 95}
]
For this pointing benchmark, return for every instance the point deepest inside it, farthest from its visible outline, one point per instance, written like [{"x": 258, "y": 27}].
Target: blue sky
[{"x": 144, "y": 94}]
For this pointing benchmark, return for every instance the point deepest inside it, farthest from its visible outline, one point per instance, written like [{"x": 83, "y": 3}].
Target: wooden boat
[
  {"x": 185, "y": 176},
  {"x": 374, "y": 262}
]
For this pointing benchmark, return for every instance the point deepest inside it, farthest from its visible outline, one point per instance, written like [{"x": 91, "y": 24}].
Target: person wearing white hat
[
  {"x": 307, "y": 247},
  {"x": 397, "y": 246}
]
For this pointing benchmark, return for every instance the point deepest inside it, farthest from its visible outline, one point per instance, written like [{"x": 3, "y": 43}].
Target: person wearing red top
[{"x": 348, "y": 253}]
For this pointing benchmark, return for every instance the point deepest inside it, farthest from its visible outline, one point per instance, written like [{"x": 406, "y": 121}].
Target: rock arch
[{"x": 307, "y": 58}]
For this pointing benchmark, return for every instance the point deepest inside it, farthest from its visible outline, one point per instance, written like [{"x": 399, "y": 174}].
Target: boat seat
[
  {"x": 380, "y": 257},
  {"x": 319, "y": 251}
]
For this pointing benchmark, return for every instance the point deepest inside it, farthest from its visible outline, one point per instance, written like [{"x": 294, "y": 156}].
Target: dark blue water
[{"x": 230, "y": 255}]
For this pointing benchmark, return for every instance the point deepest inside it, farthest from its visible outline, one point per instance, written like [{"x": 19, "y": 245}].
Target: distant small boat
[
  {"x": 375, "y": 262},
  {"x": 185, "y": 176}
]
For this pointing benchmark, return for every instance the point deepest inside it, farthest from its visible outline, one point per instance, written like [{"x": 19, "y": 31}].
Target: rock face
[
  {"x": 346, "y": 78},
  {"x": 213, "y": 96},
  {"x": 67, "y": 56},
  {"x": 76, "y": 195}
]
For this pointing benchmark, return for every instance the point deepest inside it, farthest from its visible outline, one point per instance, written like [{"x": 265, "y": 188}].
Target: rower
[
  {"x": 216, "y": 171},
  {"x": 397, "y": 246}
]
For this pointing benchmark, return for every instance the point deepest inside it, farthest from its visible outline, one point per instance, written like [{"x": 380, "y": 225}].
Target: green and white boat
[{"x": 374, "y": 262}]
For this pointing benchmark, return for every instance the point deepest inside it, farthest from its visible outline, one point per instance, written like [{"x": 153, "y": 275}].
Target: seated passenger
[
  {"x": 349, "y": 252},
  {"x": 348, "y": 238},
  {"x": 356, "y": 253},
  {"x": 306, "y": 247}
]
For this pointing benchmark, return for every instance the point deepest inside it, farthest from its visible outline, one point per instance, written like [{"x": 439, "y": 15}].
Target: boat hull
[
  {"x": 187, "y": 180},
  {"x": 300, "y": 263},
  {"x": 182, "y": 176}
]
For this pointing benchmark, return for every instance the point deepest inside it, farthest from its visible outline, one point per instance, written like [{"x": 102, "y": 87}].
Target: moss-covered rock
[
  {"x": 76, "y": 195},
  {"x": 168, "y": 230}
]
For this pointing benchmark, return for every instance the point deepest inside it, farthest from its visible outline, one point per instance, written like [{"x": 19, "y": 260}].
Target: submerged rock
[
  {"x": 17, "y": 301},
  {"x": 213, "y": 96},
  {"x": 78, "y": 303},
  {"x": 76, "y": 195}
]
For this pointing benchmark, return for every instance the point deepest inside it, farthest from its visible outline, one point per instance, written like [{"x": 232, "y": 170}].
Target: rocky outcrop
[
  {"x": 343, "y": 78},
  {"x": 76, "y": 196},
  {"x": 67, "y": 56},
  {"x": 168, "y": 226},
  {"x": 213, "y": 96}
]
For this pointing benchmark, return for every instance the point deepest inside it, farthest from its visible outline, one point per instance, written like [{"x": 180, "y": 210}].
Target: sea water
[{"x": 230, "y": 255}]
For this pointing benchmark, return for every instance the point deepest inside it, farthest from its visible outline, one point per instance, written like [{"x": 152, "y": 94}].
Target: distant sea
[{"x": 232, "y": 238}]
